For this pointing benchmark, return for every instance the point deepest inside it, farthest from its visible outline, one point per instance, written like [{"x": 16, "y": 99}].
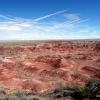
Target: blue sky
[{"x": 49, "y": 19}]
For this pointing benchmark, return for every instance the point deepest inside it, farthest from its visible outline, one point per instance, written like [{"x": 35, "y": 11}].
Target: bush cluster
[{"x": 90, "y": 91}]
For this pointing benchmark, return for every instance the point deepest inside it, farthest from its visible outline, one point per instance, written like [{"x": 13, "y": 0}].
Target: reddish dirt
[{"x": 42, "y": 66}]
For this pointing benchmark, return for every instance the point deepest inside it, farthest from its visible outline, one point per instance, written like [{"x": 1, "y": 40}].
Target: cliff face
[{"x": 42, "y": 66}]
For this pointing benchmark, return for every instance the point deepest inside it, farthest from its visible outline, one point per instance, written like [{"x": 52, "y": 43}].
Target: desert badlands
[{"x": 40, "y": 66}]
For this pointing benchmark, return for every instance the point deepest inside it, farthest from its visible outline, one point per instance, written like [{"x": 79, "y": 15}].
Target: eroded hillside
[{"x": 42, "y": 66}]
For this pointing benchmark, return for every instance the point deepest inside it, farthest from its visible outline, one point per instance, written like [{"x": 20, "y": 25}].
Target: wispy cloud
[
  {"x": 49, "y": 15},
  {"x": 72, "y": 17},
  {"x": 72, "y": 27}
]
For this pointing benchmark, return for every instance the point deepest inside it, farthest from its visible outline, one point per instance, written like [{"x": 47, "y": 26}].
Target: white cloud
[
  {"x": 71, "y": 28},
  {"x": 72, "y": 17}
]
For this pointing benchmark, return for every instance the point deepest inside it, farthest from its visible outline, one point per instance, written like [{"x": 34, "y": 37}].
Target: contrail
[
  {"x": 49, "y": 15},
  {"x": 5, "y": 17}
]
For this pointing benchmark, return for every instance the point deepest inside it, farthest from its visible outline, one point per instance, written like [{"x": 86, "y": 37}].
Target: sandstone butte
[{"x": 39, "y": 66}]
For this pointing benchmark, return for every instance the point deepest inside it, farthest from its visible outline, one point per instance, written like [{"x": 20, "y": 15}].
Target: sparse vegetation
[
  {"x": 90, "y": 91},
  {"x": 19, "y": 95}
]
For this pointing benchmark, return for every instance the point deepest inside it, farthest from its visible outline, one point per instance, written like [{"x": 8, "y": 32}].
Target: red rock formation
[{"x": 42, "y": 66}]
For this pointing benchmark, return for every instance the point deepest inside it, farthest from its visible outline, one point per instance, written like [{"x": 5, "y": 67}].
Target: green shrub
[
  {"x": 57, "y": 90},
  {"x": 91, "y": 89},
  {"x": 77, "y": 94}
]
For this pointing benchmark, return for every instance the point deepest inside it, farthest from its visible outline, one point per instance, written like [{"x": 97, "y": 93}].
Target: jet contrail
[
  {"x": 5, "y": 17},
  {"x": 49, "y": 15}
]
